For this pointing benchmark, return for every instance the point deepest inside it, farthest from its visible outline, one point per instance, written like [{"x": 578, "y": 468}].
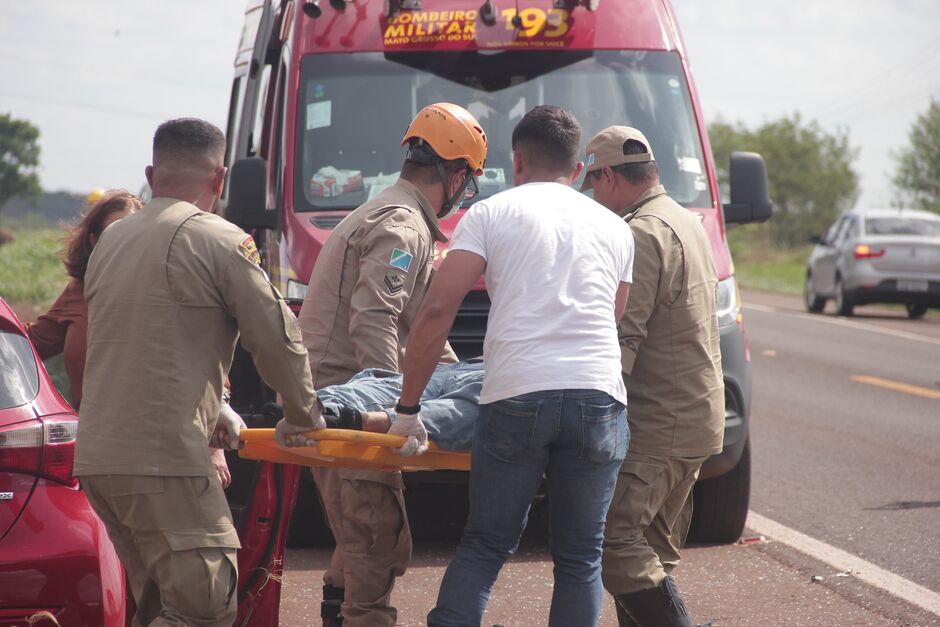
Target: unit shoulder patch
[
  {"x": 249, "y": 250},
  {"x": 394, "y": 282},
  {"x": 400, "y": 259}
]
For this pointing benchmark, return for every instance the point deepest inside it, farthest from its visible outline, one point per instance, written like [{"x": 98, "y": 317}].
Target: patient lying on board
[{"x": 449, "y": 406}]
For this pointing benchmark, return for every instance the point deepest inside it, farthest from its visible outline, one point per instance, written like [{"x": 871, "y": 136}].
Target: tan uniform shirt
[
  {"x": 669, "y": 334},
  {"x": 368, "y": 284},
  {"x": 169, "y": 288}
]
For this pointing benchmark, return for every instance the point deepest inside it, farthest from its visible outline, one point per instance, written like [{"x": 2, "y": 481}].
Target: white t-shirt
[{"x": 554, "y": 261}]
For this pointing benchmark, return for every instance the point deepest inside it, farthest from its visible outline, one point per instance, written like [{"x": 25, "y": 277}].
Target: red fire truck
[{"x": 322, "y": 93}]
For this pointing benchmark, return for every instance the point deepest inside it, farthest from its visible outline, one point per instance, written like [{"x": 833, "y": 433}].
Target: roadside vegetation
[
  {"x": 32, "y": 276},
  {"x": 760, "y": 265},
  {"x": 31, "y": 272}
]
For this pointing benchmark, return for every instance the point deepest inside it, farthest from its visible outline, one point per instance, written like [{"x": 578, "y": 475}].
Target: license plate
[{"x": 913, "y": 286}]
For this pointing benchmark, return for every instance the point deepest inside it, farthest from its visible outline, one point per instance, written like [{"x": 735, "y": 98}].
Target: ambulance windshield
[{"x": 356, "y": 107}]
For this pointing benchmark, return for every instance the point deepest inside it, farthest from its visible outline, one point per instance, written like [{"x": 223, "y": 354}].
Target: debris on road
[
  {"x": 816, "y": 578},
  {"x": 751, "y": 540}
]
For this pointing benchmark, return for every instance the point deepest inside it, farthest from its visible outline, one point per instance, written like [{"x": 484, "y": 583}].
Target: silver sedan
[{"x": 883, "y": 256}]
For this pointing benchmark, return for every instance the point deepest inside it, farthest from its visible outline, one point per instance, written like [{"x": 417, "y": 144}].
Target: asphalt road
[
  {"x": 846, "y": 450},
  {"x": 846, "y": 431}
]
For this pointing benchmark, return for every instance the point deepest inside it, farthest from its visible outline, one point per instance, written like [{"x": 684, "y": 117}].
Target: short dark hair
[
  {"x": 549, "y": 136},
  {"x": 416, "y": 171},
  {"x": 187, "y": 138},
  {"x": 635, "y": 173}
]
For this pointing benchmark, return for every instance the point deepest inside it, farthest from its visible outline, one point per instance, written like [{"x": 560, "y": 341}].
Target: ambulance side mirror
[
  {"x": 248, "y": 195},
  {"x": 750, "y": 201}
]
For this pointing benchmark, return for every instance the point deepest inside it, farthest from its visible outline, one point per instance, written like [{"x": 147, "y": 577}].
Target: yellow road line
[{"x": 897, "y": 386}]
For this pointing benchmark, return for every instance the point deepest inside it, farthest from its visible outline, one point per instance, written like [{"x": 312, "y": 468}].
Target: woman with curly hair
[{"x": 62, "y": 329}]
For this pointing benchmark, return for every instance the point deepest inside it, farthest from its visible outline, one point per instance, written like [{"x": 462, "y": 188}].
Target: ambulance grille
[{"x": 466, "y": 336}]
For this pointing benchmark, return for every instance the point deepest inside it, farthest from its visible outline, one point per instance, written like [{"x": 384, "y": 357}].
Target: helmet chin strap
[
  {"x": 453, "y": 203},
  {"x": 421, "y": 153}
]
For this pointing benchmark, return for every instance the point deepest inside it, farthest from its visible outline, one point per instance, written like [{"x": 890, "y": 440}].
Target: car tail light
[
  {"x": 864, "y": 251},
  {"x": 45, "y": 449}
]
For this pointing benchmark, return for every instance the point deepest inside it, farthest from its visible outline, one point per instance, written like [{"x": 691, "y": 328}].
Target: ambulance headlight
[{"x": 729, "y": 305}]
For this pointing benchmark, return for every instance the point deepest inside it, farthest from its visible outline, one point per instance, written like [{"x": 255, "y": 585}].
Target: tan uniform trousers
[
  {"x": 175, "y": 537},
  {"x": 648, "y": 521},
  {"x": 366, "y": 512}
]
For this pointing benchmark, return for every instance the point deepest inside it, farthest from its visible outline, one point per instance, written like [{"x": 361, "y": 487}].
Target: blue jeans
[
  {"x": 449, "y": 404},
  {"x": 577, "y": 439}
]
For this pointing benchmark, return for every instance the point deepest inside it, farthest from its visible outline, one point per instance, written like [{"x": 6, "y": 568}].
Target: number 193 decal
[{"x": 532, "y": 22}]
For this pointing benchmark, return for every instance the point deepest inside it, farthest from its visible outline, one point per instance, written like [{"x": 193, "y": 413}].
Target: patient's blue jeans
[{"x": 449, "y": 405}]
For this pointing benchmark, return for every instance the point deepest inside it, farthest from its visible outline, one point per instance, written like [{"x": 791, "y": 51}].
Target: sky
[{"x": 98, "y": 76}]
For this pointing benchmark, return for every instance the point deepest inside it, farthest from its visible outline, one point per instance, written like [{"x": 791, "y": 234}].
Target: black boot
[
  {"x": 623, "y": 618},
  {"x": 656, "y": 607},
  {"x": 331, "y": 607}
]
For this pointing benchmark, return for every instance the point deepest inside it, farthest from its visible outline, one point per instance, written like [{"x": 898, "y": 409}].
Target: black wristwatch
[{"x": 408, "y": 409}]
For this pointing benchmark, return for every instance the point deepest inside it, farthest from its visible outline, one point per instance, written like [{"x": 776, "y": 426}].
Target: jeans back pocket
[
  {"x": 604, "y": 432},
  {"x": 510, "y": 429}
]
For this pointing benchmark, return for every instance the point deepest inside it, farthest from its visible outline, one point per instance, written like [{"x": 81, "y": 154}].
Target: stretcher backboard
[{"x": 345, "y": 448}]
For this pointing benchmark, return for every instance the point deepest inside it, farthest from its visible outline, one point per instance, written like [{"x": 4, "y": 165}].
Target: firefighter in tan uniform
[
  {"x": 672, "y": 368},
  {"x": 168, "y": 294},
  {"x": 363, "y": 296}
]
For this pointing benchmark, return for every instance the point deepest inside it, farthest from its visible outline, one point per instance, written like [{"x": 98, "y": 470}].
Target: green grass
[
  {"x": 760, "y": 264},
  {"x": 32, "y": 276},
  {"x": 31, "y": 273},
  {"x": 781, "y": 271}
]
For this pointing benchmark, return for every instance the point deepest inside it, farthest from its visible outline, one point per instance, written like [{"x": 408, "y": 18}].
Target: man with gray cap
[{"x": 672, "y": 369}]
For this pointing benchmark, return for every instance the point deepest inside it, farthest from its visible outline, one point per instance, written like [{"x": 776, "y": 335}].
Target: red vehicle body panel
[
  {"x": 259, "y": 561},
  {"x": 55, "y": 554},
  {"x": 620, "y": 25}
]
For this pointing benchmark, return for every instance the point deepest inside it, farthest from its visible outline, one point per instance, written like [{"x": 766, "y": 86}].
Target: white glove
[
  {"x": 288, "y": 434},
  {"x": 410, "y": 426},
  {"x": 227, "y": 427}
]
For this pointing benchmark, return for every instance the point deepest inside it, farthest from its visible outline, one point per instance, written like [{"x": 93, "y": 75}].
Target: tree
[
  {"x": 917, "y": 178},
  {"x": 809, "y": 172},
  {"x": 19, "y": 159}
]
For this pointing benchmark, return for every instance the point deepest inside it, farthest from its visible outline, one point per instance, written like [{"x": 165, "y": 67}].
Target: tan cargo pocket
[
  {"x": 291, "y": 326},
  {"x": 643, "y": 471},
  {"x": 373, "y": 517},
  {"x": 136, "y": 484},
  {"x": 213, "y": 537},
  {"x": 639, "y": 493}
]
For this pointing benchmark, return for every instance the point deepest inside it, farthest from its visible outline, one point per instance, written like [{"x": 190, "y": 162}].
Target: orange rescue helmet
[{"x": 452, "y": 132}]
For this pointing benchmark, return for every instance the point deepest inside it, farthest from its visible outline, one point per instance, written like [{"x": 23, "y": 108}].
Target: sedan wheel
[
  {"x": 814, "y": 303},
  {"x": 844, "y": 304},
  {"x": 915, "y": 312}
]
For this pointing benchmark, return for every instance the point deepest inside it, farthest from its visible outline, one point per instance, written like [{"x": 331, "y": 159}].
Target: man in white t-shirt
[{"x": 558, "y": 267}]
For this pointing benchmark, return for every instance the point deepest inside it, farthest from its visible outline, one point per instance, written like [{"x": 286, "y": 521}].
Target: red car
[{"x": 55, "y": 555}]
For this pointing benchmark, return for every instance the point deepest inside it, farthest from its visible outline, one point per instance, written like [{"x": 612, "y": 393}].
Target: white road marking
[
  {"x": 847, "y": 323},
  {"x": 843, "y": 561}
]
